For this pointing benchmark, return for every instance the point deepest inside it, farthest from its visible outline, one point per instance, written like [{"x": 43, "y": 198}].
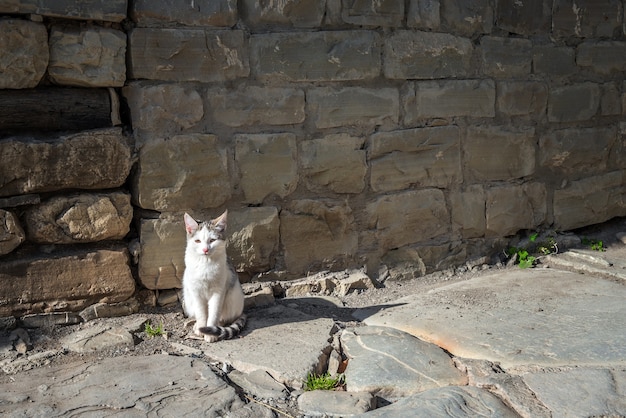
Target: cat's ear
[
  {"x": 220, "y": 222},
  {"x": 190, "y": 224}
]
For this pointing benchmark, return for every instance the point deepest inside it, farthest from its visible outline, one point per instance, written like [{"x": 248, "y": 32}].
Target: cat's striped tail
[{"x": 228, "y": 332}]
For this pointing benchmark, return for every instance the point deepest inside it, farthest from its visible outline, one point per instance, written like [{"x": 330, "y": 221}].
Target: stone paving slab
[
  {"x": 284, "y": 342},
  {"x": 543, "y": 317},
  {"x": 157, "y": 385},
  {"x": 450, "y": 402},
  {"x": 392, "y": 363},
  {"x": 580, "y": 392}
]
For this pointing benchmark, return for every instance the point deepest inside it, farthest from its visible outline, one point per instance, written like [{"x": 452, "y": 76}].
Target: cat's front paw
[{"x": 210, "y": 338}]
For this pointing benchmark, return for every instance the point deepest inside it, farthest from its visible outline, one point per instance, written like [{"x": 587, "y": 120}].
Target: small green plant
[
  {"x": 153, "y": 331},
  {"x": 525, "y": 260},
  {"x": 323, "y": 382},
  {"x": 594, "y": 244},
  {"x": 533, "y": 237}
]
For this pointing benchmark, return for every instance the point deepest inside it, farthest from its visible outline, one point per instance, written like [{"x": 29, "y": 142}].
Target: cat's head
[{"x": 206, "y": 238}]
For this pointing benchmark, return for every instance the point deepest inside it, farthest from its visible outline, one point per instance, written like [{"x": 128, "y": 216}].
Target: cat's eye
[
  {"x": 197, "y": 241},
  {"x": 212, "y": 240}
]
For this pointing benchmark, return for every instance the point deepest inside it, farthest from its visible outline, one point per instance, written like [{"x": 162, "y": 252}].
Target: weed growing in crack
[
  {"x": 594, "y": 244},
  {"x": 323, "y": 382},
  {"x": 153, "y": 331}
]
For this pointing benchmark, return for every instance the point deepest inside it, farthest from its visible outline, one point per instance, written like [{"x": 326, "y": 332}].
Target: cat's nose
[{"x": 205, "y": 250}]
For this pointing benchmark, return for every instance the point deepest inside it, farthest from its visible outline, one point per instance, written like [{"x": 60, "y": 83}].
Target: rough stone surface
[
  {"x": 577, "y": 152},
  {"x": 328, "y": 403},
  {"x": 253, "y": 239},
  {"x": 49, "y": 320},
  {"x": 161, "y": 259},
  {"x": 297, "y": 14},
  {"x": 220, "y": 13},
  {"x": 423, "y": 14},
  {"x": 513, "y": 208},
  {"x": 424, "y": 214},
  {"x": 259, "y": 383},
  {"x": 25, "y": 53},
  {"x": 453, "y": 401},
  {"x": 65, "y": 281},
  {"x": 89, "y": 57},
  {"x": 96, "y": 159},
  {"x": 114, "y": 384},
  {"x": 526, "y": 18},
  {"x": 522, "y": 98},
  {"x": 581, "y": 392},
  {"x": 97, "y": 338},
  {"x": 107, "y": 10},
  {"x": 598, "y": 197},
  {"x": 334, "y": 162},
  {"x": 554, "y": 60},
  {"x": 424, "y": 157},
  {"x": 80, "y": 218},
  {"x": 305, "y": 56},
  {"x": 329, "y": 224},
  {"x": 468, "y": 211},
  {"x": 606, "y": 57},
  {"x": 506, "y": 57},
  {"x": 11, "y": 232},
  {"x": 426, "y": 55},
  {"x": 182, "y": 173},
  {"x": 330, "y": 107},
  {"x": 380, "y": 13},
  {"x": 268, "y": 165},
  {"x": 467, "y": 18},
  {"x": 164, "y": 109},
  {"x": 289, "y": 359},
  {"x": 587, "y": 20},
  {"x": 577, "y": 102},
  {"x": 187, "y": 55},
  {"x": 437, "y": 99},
  {"x": 515, "y": 151},
  {"x": 406, "y": 366},
  {"x": 252, "y": 106},
  {"x": 542, "y": 317}
]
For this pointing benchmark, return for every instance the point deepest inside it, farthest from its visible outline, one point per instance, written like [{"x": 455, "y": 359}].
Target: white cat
[{"x": 212, "y": 294}]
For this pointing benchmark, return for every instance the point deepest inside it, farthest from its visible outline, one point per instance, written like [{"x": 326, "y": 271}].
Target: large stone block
[
  {"x": 512, "y": 208},
  {"x": 329, "y": 225},
  {"x": 577, "y": 152},
  {"x": 334, "y": 162},
  {"x": 290, "y": 13},
  {"x": 24, "y": 57},
  {"x": 162, "y": 253},
  {"x": 11, "y": 232},
  {"x": 554, "y": 60},
  {"x": 426, "y": 55},
  {"x": 506, "y": 57},
  {"x": 98, "y": 159},
  {"x": 423, "y": 157},
  {"x": 253, "y": 106},
  {"x": 610, "y": 103},
  {"x": 586, "y": 18},
  {"x": 423, "y": 14},
  {"x": 87, "y": 57},
  {"x": 589, "y": 201},
  {"x": 331, "y": 108},
  {"x": 187, "y": 55},
  {"x": 107, "y": 10},
  {"x": 316, "y": 56},
  {"x": 254, "y": 238},
  {"x": 64, "y": 281},
  {"x": 450, "y": 98},
  {"x": 162, "y": 110},
  {"x": 524, "y": 18},
  {"x": 578, "y": 102},
  {"x": 408, "y": 217},
  {"x": 468, "y": 211},
  {"x": 218, "y": 13},
  {"x": 182, "y": 173},
  {"x": 386, "y": 13},
  {"x": 522, "y": 98},
  {"x": 604, "y": 57},
  {"x": 499, "y": 154},
  {"x": 467, "y": 18},
  {"x": 79, "y": 218},
  {"x": 267, "y": 164}
]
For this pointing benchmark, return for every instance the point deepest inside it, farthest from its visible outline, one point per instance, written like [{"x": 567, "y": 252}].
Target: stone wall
[{"x": 339, "y": 134}]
